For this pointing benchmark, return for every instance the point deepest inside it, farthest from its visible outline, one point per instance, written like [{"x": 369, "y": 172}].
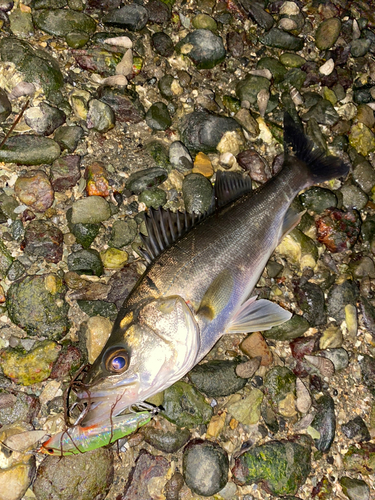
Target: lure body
[{"x": 79, "y": 439}]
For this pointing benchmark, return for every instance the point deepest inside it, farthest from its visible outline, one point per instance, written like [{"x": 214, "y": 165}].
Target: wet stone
[
  {"x": 34, "y": 190},
  {"x": 338, "y": 297},
  {"x": 364, "y": 176},
  {"x": 368, "y": 313},
  {"x": 85, "y": 234},
  {"x": 338, "y": 230},
  {"x": 6, "y": 259},
  {"x": 123, "y": 233},
  {"x": 17, "y": 407},
  {"x": 125, "y": 104},
  {"x": 132, "y": 17},
  {"x": 362, "y": 139},
  {"x": 65, "y": 172},
  {"x": 360, "y": 458},
  {"x": 318, "y": 199},
  {"x": 355, "y": 489},
  {"x": 205, "y": 467},
  {"x": 98, "y": 308},
  {"x": 356, "y": 429},
  {"x": 44, "y": 119},
  {"x": 338, "y": 356},
  {"x": 60, "y": 478},
  {"x": 16, "y": 270},
  {"x": 154, "y": 197},
  {"x": 246, "y": 409},
  {"x": 367, "y": 364},
  {"x": 166, "y": 439},
  {"x": 77, "y": 39},
  {"x": 323, "y": 112},
  {"x": 180, "y": 157},
  {"x": 100, "y": 116},
  {"x": 310, "y": 298},
  {"x": 359, "y": 47},
  {"x": 278, "y": 383},
  {"x": 36, "y": 66},
  {"x": 204, "y": 21},
  {"x": 327, "y": 33},
  {"x": 147, "y": 468},
  {"x": 97, "y": 183},
  {"x": 202, "y": 131},
  {"x": 113, "y": 258},
  {"x": 92, "y": 210},
  {"x": 68, "y": 362},
  {"x": 235, "y": 44},
  {"x": 281, "y": 466},
  {"x": 289, "y": 330},
  {"x": 86, "y": 262},
  {"x": 252, "y": 162},
  {"x": 197, "y": 193},
  {"x": 324, "y": 423},
  {"x": 60, "y": 22},
  {"x": 98, "y": 60},
  {"x": 162, "y": 43},
  {"x": 255, "y": 346},
  {"x": 158, "y": 117},
  {"x": 121, "y": 283},
  {"x": 249, "y": 88},
  {"x": 277, "y": 70},
  {"x": 291, "y": 60},
  {"x": 43, "y": 239},
  {"x": 282, "y": 40},
  {"x": 5, "y": 106},
  {"x": 31, "y": 367},
  {"x": 203, "y": 47},
  {"x": 158, "y": 12},
  {"x": 217, "y": 378},
  {"x": 29, "y": 150},
  {"x": 36, "y": 304},
  {"x": 185, "y": 406},
  {"x": 68, "y": 137},
  {"x": 353, "y": 197},
  {"x": 173, "y": 486},
  {"x": 146, "y": 179}
]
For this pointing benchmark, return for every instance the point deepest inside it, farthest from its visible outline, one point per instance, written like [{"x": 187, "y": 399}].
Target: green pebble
[
  {"x": 98, "y": 308},
  {"x": 86, "y": 262},
  {"x": 154, "y": 198},
  {"x": 318, "y": 199},
  {"x": 289, "y": 330},
  {"x": 291, "y": 60},
  {"x": 327, "y": 33},
  {"x": 203, "y": 21},
  {"x": 77, "y": 39},
  {"x": 123, "y": 233},
  {"x": 231, "y": 103}
]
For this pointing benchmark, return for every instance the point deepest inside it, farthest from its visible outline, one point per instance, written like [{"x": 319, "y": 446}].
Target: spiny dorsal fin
[
  {"x": 164, "y": 228},
  {"x": 229, "y": 186}
]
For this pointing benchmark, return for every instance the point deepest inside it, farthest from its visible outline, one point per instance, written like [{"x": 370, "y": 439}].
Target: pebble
[
  {"x": 68, "y": 362},
  {"x": 362, "y": 139},
  {"x": 92, "y": 210},
  {"x": 121, "y": 283},
  {"x": 310, "y": 298},
  {"x": 5, "y": 106},
  {"x": 249, "y": 88},
  {"x": 44, "y": 119},
  {"x": 281, "y": 466},
  {"x": 132, "y": 17},
  {"x": 278, "y": 384},
  {"x": 202, "y": 131},
  {"x": 100, "y": 116},
  {"x": 45, "y": 240},
  {"x": 173, "y": 486},
  {"x": 355, "y": 489},
  {"x": 217, "y": 378},
  {"x": 318, "y": 199},
  {"x": 113, "y": 258},
  {"x": 29, "y": 150},
  {"x": 203, "y": 47},
  {"x": 158, "y": 12},
  {"x": 289, "y": 330},
  {"x": 154, "y": 197},
  {"x": 180, "y": 157},
  {"x": 324, "y": 423},
  {"x": 97, "y": 332},
  {"x": 353, "y": 197},
  {"x": 282, "y": 40},
  {"x": 168, "y": 439},
  {"x": 65, "y": 172},
  {"x": 360, "y": 47},
  {"x": 60, "y": 22},
  {"x": 84, "y": 234},
  {"x": 197, "y": 193},
  {"x": 246, "y": 409},
  {"x": 185, "y": 406},
  {"x": 17, "y": 407},
  {"x": 86, "y": 262},
  {"x": 203, "y": 165},
  {"x": 205, "y": 467},
  {"x": 148, "y": 470},
  {"x": 356, "y": 429},
  {"x": 97, "y": 179},
  {"x": 338, "y": 230},
  {"x": 327, "y": 33},
  {"x": 34, "y": 190},
  {"x": 367, "y": 364},
  {"x": 235, "y": 44},
  {"x": 146, "y": 179},
  {"x": 33, "y": 366},
  {"x": 360, "y": 458},
  {"x": 364, "y": 176},
  {"x": 46, "y": 313},
  {"x": 162, "y": 44},
  {"x": 123, "y": 233},
  {"x": 255, "y": 346},
  {"x": 96, "y": 465},
  {"x": 158, "y": 117},
  {"x": 339, "y": 296}
]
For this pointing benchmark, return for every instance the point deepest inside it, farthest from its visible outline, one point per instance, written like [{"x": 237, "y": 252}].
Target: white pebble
[
  {"x": 120, "y": 41},
  {"x": 327, "y": 67}
]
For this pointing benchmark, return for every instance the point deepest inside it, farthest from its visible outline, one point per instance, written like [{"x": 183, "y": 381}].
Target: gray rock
[
  {"x": 359, "y": 47},
  {"x": 324, "y": 422},
  {"x": 217, "y": 378},
  {"x": 86, "y": 262},
  {"x": 202, "y": 131},
  {"x": 339, "y": 357},
  {"x": 310, "y": 298},
  {"x": 29, "y": 150},
  {"x": 367, "y": 364},
  {"x": 338, "y": 297},
  {"x": 356, "y": 429},
  {"x": 44, "y": 119},
  {"x": 68, "y": 137},
  {"x": 132, "y": 17},
  {"x": 180, "y": 157},
  {"x": 323, "y": 112},
  {"x": 43, "y": 239},
  {"x": 162, "y": 44},
  {"x": 318, "y": 199},
  {"x": 5, "y": 106},
  {"x": 355, "y": 489},
  {"x": 282, "y": 40},
  {"x": 58, "y": 478},
  {"x": 92, "y": 210},
  {"x": 364, "y": 176},
  {"x": 197, "y": 193},
  {"x": 146, "y": 179},
  {"x": 154, "y": 197},
  {"x": 100, "y": 116},
  {"x": 249, "y": 88},
  {"x": 353, "y": 197},
  {"x": 123, "y": 233},
  {"x": 37, "y": 304},
  {"x": 60, "y": 22},
  {"x": 204, "y": 48},
  {"x": 158, "y": 117},
  {"x": 168, "y": 441},
  {"x": 205, "y": 467}
]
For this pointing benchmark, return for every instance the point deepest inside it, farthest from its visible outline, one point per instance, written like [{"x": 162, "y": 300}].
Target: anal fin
[
  {"x": 291, "y": 220},
  {"x": 257, "y": 315}
]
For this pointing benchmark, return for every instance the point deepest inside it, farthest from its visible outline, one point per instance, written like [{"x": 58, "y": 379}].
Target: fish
[
  {"x": 79, "y": 439},
  {"x": 198, "y": 285}
]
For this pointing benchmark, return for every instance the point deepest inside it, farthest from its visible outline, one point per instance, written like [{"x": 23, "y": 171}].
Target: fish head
[{"x": 149, "y": 349}]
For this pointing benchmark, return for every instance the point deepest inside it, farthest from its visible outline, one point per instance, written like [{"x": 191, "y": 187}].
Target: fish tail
[{"x": 320, "y": 166}]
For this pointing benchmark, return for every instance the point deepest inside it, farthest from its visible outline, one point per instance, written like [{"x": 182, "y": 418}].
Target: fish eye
[{"x": 116, "y": 360}]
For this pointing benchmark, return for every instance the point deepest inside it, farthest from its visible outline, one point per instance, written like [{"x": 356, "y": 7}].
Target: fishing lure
[{"x": 79, "y": 439}]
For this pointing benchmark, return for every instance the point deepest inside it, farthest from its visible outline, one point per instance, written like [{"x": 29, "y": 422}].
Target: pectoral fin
[
  {"x": 257, "y": 315},
  {"x": 217, "y": 295}
]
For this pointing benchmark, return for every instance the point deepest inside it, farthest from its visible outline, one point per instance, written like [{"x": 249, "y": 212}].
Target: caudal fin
[{"x": 321, "y": 167}]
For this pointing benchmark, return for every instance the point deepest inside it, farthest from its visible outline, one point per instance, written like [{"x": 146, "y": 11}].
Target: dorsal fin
[
  {"x": 164, "y": 228},
  {"x": 229, "y": 186}
]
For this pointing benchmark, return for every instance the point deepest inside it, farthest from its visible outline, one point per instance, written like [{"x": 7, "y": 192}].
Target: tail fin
[{"x": 321, "y": 167}]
